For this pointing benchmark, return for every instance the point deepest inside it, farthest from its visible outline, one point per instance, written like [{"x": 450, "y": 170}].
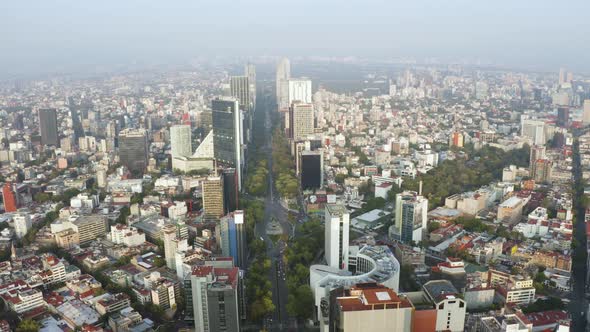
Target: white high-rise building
[
  {"x": 282, "y": 85},
  {"x": 300, "y": 90},
  {"x": 180, "y": 141},
  {"x": 22, "y": 224},
  {"x": 533, "y": 129},
  {"x": 336, "y": 238},
  {"x": 411, "y": 212},
  {"x": 172, "y": 244},
  {"x": 586, "y": 114},
  {"x": 250, "y": 72}
]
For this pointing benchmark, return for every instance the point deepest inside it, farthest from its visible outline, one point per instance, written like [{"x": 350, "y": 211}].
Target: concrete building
[
  {"x": 180, "y": 141},
  {"x": 129, "y": 236},
  {"x": 283, "y": 74},
  {"x": 133, "y": 150},
  {"x": 91, "y": 227},
  {"x": 172, "y": 244},
  {"x": 411, "y": 213},
  {"x": 515, "y": 289},
  {"x": 214, "y": 298},
  {"x": 370, "y": 307},
  {"x": 300, "y": 90},
  {"x": 213, "y": 198},
  {"x": 228, "y": 140},
  {"x": 232, "y": 237},
  {"x": 541, "y": 170},
  {"x": 312, "y": 169},
  {"x": 301, "y": 116},
  {"x": 586, "y": 113},
  {"x": 438, "y": 307},
  {"x": 505, "y": 323},
  {"x": 22, "y": 224},
  {"x": 23, "y": 300},
  {"x": 67, "y": 238},
  {"x": 510, "y": 210},
  {"x": 534, "y": 129},
  {"x": 367, "y": 264},
  {"x": 48, "y": 126},
  {"x": 336, "y": 238}
]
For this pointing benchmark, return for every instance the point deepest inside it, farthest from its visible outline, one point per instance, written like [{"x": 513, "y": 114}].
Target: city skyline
[{"x": 67, "y": 36}]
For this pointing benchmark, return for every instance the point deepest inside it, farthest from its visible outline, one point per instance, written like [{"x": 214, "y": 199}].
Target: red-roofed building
[
  {"x": 215, "y": 299},
  {"x": 372, "y": 307},
  {"x": 548, "y": 320}
]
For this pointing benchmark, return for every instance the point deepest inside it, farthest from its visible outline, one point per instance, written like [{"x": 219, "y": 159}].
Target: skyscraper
[
  {"x": 586, "y": 114},
  {"x": 240, "y": 89},
  {"x": 411, "y": 212},
  {"x": 541, "y": 170},
  {"x": 336, "y": 243},
  {"x": 180, "y": 141},
  {"x": 312, "y": 169},
  {"x": 282, "y": 85},
  {"x": 537, "y": 152},
  {"x": 133, "y": 150},
  {"x": 214, "y": 298},
  {"x": 300, "y": 90},
  {"x": 250, "y": 72},
  {"x": 563, "y": 116},
  {"x": 562, "y": 76},
  {"x": 233, "y": 237},
  {"x": 230, "y": 190},
  {"x": 302, "y": 120},
  {"x": 212, "y": 190},
  {"x": 227, "y": 134},
  {"x": 9, "y": 197},
  {"x": 48, "y": 126}
]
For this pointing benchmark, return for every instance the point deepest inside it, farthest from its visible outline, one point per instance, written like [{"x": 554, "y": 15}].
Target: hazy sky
[{"x": 49, "y": 34}]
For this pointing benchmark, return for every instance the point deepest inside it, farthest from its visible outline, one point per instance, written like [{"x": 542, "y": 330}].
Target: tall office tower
[
  {"x": 133, "y": 150},
  {"x": 227, "y": 134},
  {"x": 9, "y": 197},
  {"x": 22, "y": 224},
  {"x": 173, "y": 242},
  {"x": 533, "y": 129},
  {"x": 48, "y": 126},
  {"x": 300, "y": 90},
  {"x": 282, "y": 85},
  {"x": 212, "y": 190},
  {"x": 586, "y": 114},
  {"x": 369, "y": 307},
  {"x": 563, "y": 116},
  {"x": 562, "y": 76},
  {"x": 230, "y": 189},
  {"x": 214, "y": 298},
  {"x": 312, "y": 169},
  {"x": 232, "y": 236},
  {"x": 240, "y": 89},
  {"x": 537, "y": 152},
  {"x": 336, "y": 238},
  {"x": 180, "y": 141},
  {"x": 411, "y": 212},
  {"x": 302, "y": 120},
  {"x": 542, "y": 170},
  {"x": 250, "y": 72}
]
